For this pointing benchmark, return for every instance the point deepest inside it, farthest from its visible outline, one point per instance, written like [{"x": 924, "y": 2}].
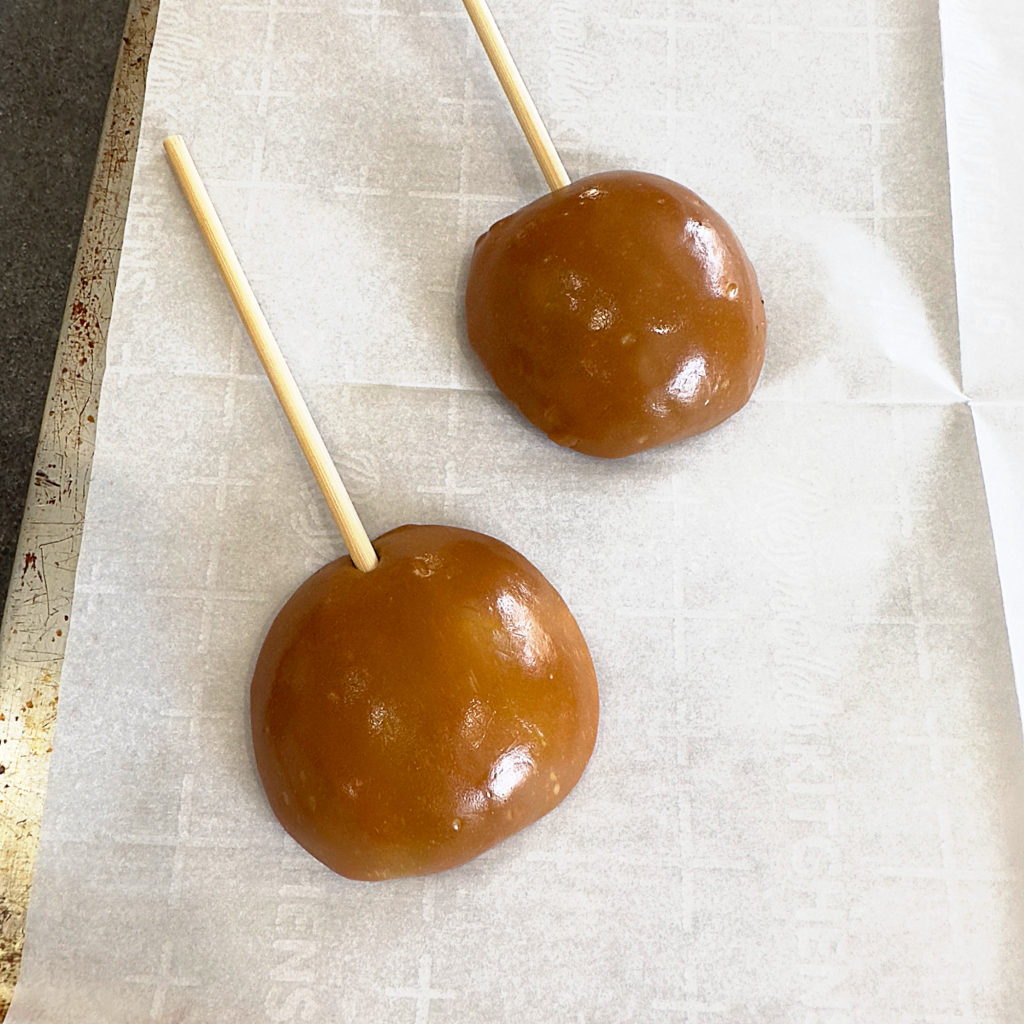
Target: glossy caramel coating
[
  {"x": 617, "y": 314},
  {"x": 407, "y": 719}
]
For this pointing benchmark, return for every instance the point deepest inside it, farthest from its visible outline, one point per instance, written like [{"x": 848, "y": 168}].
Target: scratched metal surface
[{"x": 38, "y": 608}]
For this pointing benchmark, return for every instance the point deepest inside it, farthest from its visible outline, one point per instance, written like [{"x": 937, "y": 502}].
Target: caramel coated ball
[
  {"x": 407, "y": 719},
  {"x": 617, "y": 314}
]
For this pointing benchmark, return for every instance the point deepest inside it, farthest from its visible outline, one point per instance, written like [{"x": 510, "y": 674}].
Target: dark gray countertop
[{"x": 56, "y": 66}]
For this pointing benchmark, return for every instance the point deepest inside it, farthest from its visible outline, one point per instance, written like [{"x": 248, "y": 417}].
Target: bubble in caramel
[
  {"x": 617, "y": 314},
  {"x": 407, "y": 719}
]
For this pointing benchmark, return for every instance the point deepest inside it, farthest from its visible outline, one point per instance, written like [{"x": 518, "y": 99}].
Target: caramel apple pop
[
  {"x": 416, "y": 703},
  {"x": 618, "y": 313}
]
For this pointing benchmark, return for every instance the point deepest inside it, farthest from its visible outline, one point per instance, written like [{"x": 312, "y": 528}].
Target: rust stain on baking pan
[{"x": 37, "y": 612}]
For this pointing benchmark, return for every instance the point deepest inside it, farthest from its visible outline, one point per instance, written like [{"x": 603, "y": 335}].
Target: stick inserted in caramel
[
  {"x": 518, "y": 95},
  {"x": 281, "y": 379}
]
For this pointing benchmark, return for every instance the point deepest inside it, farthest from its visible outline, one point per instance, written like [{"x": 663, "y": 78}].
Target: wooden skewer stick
[
  {"x": 281, "y": 379},
  {"x": 517, "y": 93}
]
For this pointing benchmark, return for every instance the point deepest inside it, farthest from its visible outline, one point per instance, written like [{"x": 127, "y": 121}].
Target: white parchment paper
[
  {"x": 806, "y": 803},
  {"x": 984, "y": 95}
]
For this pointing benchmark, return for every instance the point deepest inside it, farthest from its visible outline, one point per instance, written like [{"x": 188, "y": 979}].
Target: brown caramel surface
[
  {"x": 407, "y": 719},
  {"x": 617, "y": 314}
]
